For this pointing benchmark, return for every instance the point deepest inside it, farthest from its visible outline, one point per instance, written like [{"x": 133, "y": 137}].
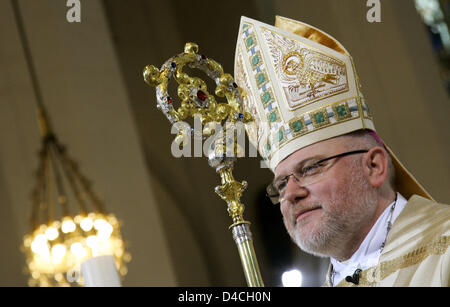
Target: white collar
[{"x": 370, "y": 249}]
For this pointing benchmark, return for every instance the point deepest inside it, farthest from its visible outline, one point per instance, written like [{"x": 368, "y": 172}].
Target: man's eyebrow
[{"x": 299, "y": 165}]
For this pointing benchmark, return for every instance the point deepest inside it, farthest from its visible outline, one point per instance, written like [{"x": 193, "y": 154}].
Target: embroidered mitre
[{"x": 301, "y": 87}]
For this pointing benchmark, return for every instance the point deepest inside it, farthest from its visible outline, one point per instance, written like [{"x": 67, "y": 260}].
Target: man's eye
[
  {"x": 280, "y": 186},
  {"x": 311, "y": 170}
]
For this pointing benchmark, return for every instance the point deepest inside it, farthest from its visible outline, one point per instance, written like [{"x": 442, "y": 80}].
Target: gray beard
[{"x": 339, "y": 226}]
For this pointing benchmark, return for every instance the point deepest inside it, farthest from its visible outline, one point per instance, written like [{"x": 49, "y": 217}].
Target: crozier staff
[{"x": 342, "y": 192}]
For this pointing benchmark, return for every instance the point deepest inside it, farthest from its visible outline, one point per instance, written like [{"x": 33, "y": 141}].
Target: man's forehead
[{"x": 320, "y": 149}]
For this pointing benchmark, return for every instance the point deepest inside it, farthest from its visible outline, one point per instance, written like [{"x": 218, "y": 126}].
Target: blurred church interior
[{"x": 175, "y": 227}]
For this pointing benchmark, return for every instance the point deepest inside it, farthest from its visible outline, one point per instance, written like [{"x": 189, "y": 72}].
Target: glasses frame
[{"x": 275, "y": 198}]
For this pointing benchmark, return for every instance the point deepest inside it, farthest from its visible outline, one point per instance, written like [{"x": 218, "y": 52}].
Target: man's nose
[{"x": 294, "y": 191}]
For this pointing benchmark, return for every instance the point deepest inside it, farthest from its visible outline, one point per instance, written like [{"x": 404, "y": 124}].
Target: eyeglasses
[{"x": 304, "y": 176}]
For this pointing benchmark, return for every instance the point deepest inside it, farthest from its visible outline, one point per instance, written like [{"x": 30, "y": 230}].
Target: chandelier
[
  {"x": 68, "y": 222},
  {"x": 61, "y": 238}
]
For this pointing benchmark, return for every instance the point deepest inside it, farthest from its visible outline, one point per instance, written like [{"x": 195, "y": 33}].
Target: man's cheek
[{"x": 288, "y": 225}]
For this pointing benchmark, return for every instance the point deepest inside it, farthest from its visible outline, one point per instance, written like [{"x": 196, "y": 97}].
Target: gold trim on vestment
[{"x": 377, "y": 273}]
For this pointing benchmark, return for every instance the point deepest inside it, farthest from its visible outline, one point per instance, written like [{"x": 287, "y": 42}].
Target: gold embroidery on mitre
[
  {"x": 309, "y": 32},
  {"x": 315, "y": 120},
  {"x": 305, "y": 74},
  {"x": 255, "y": 130}
]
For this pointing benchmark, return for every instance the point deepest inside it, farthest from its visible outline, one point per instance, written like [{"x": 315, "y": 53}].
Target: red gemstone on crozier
[
  {"x": 201, "y": 95},
  {"x": 169, "y": 100}
]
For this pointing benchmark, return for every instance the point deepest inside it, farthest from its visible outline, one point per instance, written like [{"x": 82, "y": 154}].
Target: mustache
[{"x": 296, "y": 211}]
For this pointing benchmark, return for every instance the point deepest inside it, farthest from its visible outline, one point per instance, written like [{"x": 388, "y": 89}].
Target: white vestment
[{"x": 416, "y": 251}]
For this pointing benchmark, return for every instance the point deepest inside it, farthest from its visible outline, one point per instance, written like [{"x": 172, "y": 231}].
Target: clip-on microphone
[{"x": 355, "y": 278}]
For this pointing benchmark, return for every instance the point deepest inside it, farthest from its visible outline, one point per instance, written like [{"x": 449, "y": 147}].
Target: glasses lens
[
  {"x": 312, "y": 176},
  {"x": 273, "y": 194},
  {"x": 306, "y": 176},
  {"x": 302, "y": 180}
]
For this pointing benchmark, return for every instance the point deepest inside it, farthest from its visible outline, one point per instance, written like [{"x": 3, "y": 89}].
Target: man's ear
[{"x": 375, "y": 164}]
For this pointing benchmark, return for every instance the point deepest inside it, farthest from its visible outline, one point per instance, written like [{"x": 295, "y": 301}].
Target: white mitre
[{"x": 301, "y": 87}]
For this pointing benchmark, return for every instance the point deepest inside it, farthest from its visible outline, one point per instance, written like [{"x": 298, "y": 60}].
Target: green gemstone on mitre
[
  {"x": 249, "y": 41},
  {"x": 341, "y": 111},
  {"x": 273, "y": 117},
  {"x": 266, "y": 97},
  {"x": 297, "y": 126},
  {"x": 319, "y": 118},
  {"x": 255, "y": 60},
  {"x": 280, "y": 135},
  {"x": 261, "y": 78}
]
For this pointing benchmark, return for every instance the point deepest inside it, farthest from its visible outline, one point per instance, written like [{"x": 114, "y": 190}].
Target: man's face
[{"x": 326, "y": 215}]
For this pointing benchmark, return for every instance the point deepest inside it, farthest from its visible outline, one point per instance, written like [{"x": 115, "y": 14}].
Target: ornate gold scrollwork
[{"x": 197, "y": 101}]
